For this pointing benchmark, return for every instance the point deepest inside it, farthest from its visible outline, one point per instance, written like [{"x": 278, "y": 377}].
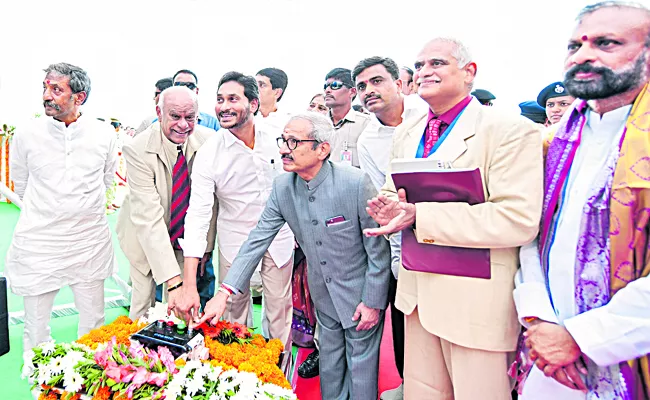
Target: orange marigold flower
[{"x": 103, "y": 393}]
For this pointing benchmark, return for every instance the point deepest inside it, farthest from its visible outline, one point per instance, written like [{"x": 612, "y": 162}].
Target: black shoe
[{"x": 309, "y": 367}]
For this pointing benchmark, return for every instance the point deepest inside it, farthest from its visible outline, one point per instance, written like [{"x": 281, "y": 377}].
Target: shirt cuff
[
  {"x": 531, "y": 300},
  {"x": 231, "y": 288},
  {"x": 598, "y": 342},
  {"x": 192, "y": 248}
]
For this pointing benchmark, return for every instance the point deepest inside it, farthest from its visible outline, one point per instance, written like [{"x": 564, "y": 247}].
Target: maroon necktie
[
  {"x": 432, "y": 136},
  {"x": 180, "y": 199}
]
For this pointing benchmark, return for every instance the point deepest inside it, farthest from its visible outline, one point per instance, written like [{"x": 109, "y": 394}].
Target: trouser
[
  {"x": 349, "y": 359},
  {"x": 88, "y": 299},
  {"x": 204, "y": 284},
  {"x": 397, "y": 324},
  {"x": 436, "y": 369},
  {"x": 277, "y": 303}
]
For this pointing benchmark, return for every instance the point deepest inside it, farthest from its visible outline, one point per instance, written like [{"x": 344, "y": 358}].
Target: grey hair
[
  {"x": 178, "y": 89},
  {"x": 79, "y": 80},
  {"x": 322, "y": 128},
  {"x": 459, "y": 51},
  {"x": 590, "y": 9}
]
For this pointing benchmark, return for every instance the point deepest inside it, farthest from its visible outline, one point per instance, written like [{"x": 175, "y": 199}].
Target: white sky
[{"x": 519, "y": 45}]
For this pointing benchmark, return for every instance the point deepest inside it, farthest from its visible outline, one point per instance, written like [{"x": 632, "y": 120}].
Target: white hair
[
  {"x": 459, "y": 51},
  {"x": 322, "y": 128},
  {"x": 177, "y": 89}
]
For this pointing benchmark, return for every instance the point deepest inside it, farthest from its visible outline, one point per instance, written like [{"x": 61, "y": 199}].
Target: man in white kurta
[
  {"x": 62, "y": 164},
  {"x": 548, "y": 298},
  {"x": 238, "y": 166}
]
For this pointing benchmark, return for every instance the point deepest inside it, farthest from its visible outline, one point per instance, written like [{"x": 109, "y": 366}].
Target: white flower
[
  {"x": 72, "y": 359},
  {"x": 57, "y": 365},
  {"x": 48, "y": 348},
  {"x": 213, "y": 396},
  {"x": 187, "y": 397},
  {"x": 44, "y": 373},
  {"x": 195, "y": 386},
  {"x": 72, "y": 382},
  {"x": 277, "y": 392},
  {"x": 214, "y": 373}
]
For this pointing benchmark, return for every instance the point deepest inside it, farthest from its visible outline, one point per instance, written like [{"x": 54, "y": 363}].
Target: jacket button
[
  {"x": 319, "y": 243},
  {"x": 311, "y": 199},
  {"x": 314, "y": 222},
  {"x": 328, "y": 280},
  {"x": 323, "y": 262}
]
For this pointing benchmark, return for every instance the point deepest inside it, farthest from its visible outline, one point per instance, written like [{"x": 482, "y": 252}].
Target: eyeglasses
[
  {"x": 335, "y": 85},
  {"x": 319, "y": 106},
  {"x": 291, "y": 142},
  {"x": 189, "y": 85}
]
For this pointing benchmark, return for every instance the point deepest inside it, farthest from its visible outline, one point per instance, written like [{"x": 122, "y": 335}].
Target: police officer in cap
[
  {"x": 533, "y": 112},
  {"x": 556, "y": 100},
  {"x": 484, "y": 96}
]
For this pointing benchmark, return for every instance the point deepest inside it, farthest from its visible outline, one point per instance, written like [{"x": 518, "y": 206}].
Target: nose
[
  {"x": 584, "y": 54},
  {"x": 284, "y": 148},
  {"x": 328, "y": 90},
  {"x": 47, "y": 94},
  {"x": 183, "y": 124}
]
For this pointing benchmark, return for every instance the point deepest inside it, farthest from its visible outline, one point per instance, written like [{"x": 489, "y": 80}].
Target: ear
[
  {"x": 80, "y": 98},
  {"x": 325, "y": 150},
  {"x": 471, "y": 70},
  {"x": 399, "y": 84},
  {"x": 353, "y": 93},
  {"x": 255, "y": 105},
  {"x": 159, "y": 113},
  {"x": 278, "y": 93}
]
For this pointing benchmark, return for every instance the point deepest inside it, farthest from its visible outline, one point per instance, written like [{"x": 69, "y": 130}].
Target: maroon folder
[{"x": 440, "y": 187}]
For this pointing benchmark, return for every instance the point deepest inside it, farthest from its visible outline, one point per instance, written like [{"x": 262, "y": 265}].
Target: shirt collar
[
  {"x": 229, "y": 138},
  {"x": 349, "y": 117},
  {"x": 449, "y": 116},
  {"x": 320, "y": 176}
]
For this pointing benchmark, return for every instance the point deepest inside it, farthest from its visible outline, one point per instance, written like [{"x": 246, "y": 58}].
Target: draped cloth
[{"x": 614, "y": 233}]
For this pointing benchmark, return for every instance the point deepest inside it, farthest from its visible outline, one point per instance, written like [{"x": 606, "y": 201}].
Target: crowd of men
[{"x": 565, "y": 314}]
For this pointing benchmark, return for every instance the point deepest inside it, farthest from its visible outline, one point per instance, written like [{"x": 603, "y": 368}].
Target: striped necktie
[{"x": 180, "y": 199}]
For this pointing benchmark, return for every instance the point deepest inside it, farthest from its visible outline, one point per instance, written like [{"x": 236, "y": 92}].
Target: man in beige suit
[
  {"x": 143, "y": 226},
  {"x": 461, "y": 332}
]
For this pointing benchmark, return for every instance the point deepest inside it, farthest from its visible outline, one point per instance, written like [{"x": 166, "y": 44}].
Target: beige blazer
[
  {"x": 143, "y": 221},
  {"x": 470, "y": 312}
]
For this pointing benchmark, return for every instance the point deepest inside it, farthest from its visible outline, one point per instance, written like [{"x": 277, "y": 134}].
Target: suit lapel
[
  {"x": 155, "y": 145},
  {"x": 454, "y": 145},
  {"x": 414, "y": 137}
]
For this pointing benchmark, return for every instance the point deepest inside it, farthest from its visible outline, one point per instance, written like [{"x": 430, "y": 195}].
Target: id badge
[{"x": 346, "y": 157}]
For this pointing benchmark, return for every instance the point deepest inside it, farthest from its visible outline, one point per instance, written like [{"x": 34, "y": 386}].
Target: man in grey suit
[{"x": 324, "y": 205}]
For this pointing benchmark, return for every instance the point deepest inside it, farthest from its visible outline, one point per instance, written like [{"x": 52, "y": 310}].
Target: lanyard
[{"x": 420, "y": 152}]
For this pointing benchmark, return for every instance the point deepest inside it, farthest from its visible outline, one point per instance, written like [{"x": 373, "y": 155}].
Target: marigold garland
[
  {"x": 259, "y": 357},
  {"x": 121, "y": 329}
]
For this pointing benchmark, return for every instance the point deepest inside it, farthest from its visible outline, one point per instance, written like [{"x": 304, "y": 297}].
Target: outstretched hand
[{"x": 392, "y": 216}]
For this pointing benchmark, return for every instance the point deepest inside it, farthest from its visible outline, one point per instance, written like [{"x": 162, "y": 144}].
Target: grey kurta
[{"x": 345, "y": 267}]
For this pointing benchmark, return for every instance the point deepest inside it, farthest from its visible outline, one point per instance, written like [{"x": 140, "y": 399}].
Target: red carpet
[{"x": 309, "y": 389}]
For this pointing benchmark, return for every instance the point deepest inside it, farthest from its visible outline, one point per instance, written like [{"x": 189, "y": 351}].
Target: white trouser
[{"x": 88, "y": 299}]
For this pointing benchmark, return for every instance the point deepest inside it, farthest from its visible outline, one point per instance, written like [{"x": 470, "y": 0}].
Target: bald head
[{"x": 177, "y": 111}]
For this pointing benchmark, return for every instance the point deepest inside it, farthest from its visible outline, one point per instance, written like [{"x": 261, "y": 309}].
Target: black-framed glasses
[
  {"x": 335, "y": 85},
  {"x": 189, "y": 85},
  {"x": 291, "y": 142}
]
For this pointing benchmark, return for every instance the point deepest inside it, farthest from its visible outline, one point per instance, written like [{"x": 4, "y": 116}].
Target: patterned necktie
[
  {"x": 433, "y": 134},
  {"x": 180, "y": 199}
]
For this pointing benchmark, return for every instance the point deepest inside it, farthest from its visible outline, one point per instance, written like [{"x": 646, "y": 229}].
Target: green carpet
[
  {"x": 64, "y": 329},
  {"x": 8, "y": 218}
]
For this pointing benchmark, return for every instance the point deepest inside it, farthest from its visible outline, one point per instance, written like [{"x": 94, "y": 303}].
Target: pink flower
[
  {"x": 129, "y": 391},
  {"x": 153, "y": 359},
  {"x": 101, "y": 358},
  {"x": 167, "y": 358},
  {"x": 113, "y": 371},
  {"x": 136, "y": 350},
  {"x": 127, "y": 373},
  {"x": 158, "y": 379},
  {"x": 141, "y": 376}
]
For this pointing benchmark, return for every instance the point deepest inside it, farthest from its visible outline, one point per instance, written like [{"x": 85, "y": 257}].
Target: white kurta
[
  {"x": 616, "y": 332},
  {"x": 62, "y": 174}
]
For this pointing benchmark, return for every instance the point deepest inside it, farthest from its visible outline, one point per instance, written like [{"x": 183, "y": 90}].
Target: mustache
[
  {"x": 286, "y": 156},
  {"x": 51, "y": 104},
  {"x": 586, "y": 68},
  {"x": 375, "y": 97}
]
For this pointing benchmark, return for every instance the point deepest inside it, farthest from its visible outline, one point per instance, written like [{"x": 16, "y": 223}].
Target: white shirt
[
  {"x": 242, "y": 179},
  {"x": 374, "y": 147},
  {"x": 616, "y": 332},
  {"x": 62, "y": 174},
  {"x": 274, "y": 123}
]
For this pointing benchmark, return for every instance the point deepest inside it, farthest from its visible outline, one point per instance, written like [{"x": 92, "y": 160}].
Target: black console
[
  {"x": 179, "y": 339},
  {"x": 4, "y": 318}
]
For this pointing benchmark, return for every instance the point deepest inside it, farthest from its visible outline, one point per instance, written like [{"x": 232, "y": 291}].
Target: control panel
[{"x": 178, "y": 338}]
